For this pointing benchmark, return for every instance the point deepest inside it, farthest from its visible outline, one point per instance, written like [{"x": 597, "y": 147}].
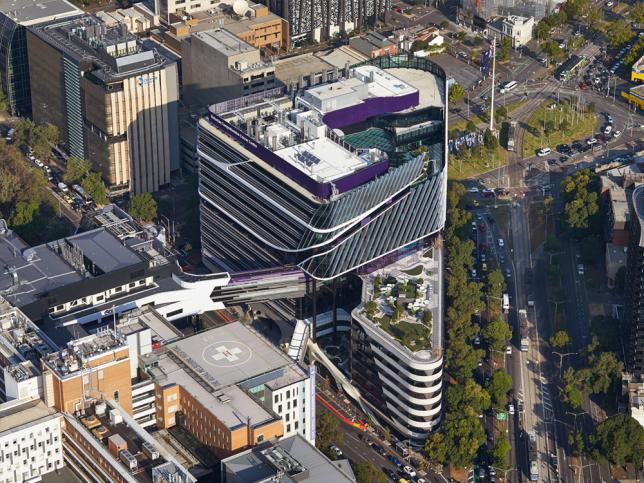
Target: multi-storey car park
[{"x": 336, "y": 182}]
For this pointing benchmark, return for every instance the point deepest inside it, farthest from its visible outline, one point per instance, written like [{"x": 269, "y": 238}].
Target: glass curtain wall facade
[
  {"x": 256, "y": 216},
  {"x": 634, "y": 307},
  {"x": 14, "y": 66}
]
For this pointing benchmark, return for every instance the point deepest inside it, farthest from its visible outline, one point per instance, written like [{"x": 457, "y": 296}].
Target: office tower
[
  {"x": 15, "y": 18},
  {"x": 634, "y": 307},
  {"x": 282, "y": 188},
  {"x": 114, "y": 102}
]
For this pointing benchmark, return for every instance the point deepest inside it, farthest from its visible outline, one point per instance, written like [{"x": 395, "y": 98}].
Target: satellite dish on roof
[{"x": 240, "y": 7}]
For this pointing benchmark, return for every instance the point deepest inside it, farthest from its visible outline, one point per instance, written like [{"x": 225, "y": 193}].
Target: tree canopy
[
  {"x": 456, "y": 92},
  {"x": 366, "y": 472},
  {"x": 76, "y": 169},
  {"x": 560, "y": 339},
  {"x": 619, "y": 33},
  {"x": 94, "y": 186},
  {"x": 39, "y": 136},
  {"x": 581, "y": 195},
  {"x": 618, "y": 439},
  {"x": 143, "y": 207},
  {"x": 496, "y": 333},
  {"x": 327, "y": 432},
  {"x": 498, "y": 386}
]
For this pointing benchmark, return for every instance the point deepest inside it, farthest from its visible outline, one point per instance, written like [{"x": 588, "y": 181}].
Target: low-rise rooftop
[
  {"x": 81, "y": 352},
  {"x": 14, "y": 414},
  {"x": 218, "y": 367},
  {"x": 287, "y": 460},
  {"x": 29, "y": 12}
]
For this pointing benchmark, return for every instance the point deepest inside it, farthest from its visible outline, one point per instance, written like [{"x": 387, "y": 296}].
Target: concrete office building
[
  {"x": 114, "y": 102},
  {"x": 15, "y": 17},
  {"x": 218, "y": 66},
  {"x": 30, "y": 440},
  {"x": 634, "y": 306},
  {"x": 288, "y": 459},
  {"x": 231, "y": 389}
]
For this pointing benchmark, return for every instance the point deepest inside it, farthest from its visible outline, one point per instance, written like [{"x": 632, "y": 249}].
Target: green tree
[
  {"x": 456, "y": 93},
  {"x": 560, "y": 339},
  {"x": 21, "y": 131},
  {"x": 500, "y": 114},
  {"x": 24, "y": 213},
  {"x": 636, "y": 12},
  {"x": 619, "y": 33},
  {"x": 470, "y": 126},
  {"x": 143, "y": 207},
  {"x": 366, "y": 472},
  {"x": 498, "y": 386},
  {"x": 500, "y": 452},
  {"x": 570, "y": 391},
  {"x": 497, "y": 333},
  {"x": 618, "y": 439},
  {"x": 327, "y": 432},
  {"x": 77, "y": 169},
  {"x": 42, "y": 138},
  {"x": 462, "y": 359},
  {"x": 489, "y": 140},
  {"x": 542, "y": 30},
  {"x": 576, "y": 442},
  {"x": 605, "y": 370},
  {"x": 581, "y": 194},
  {"x": 370, "y": 308},
  {"x": 94, "y": 186},
  {"x": 457, "y": 442},
  {"x": 468, "y": 398}
]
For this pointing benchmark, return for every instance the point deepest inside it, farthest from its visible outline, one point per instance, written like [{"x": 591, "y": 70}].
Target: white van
[
  {"x": 63, "y": 187},
  {"x": 508, "y": 86}
]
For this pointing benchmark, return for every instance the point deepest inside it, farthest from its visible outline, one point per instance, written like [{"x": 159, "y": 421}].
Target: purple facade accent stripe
[
  {"x": 320, "y": 189},
  {"x": 371, "y": 107}
]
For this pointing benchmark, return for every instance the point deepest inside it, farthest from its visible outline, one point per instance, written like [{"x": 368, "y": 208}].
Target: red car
[
  {"x": 482, "y": 227},
  {"x": 583, "y": 86}
]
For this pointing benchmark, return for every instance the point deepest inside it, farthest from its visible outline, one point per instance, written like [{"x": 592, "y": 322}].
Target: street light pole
[{"x": 561, "y": 356}]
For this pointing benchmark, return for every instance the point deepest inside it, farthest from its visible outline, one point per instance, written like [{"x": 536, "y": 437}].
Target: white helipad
[{"x": 227, "y": 353}]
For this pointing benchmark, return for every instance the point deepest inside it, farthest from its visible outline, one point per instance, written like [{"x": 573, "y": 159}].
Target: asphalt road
[{"x": 355, "y": 448}]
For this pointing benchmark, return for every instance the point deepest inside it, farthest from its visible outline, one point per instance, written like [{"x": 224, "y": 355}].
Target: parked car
[
  {"x": 591, "y": 141},
  {"x": 501, "y": 242},
  {"x": 543, "y": 152},
  {"x": 508, "y": 350},
  {"x": 395, "y": 461},
  {"x": 337, "y": 451}
]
